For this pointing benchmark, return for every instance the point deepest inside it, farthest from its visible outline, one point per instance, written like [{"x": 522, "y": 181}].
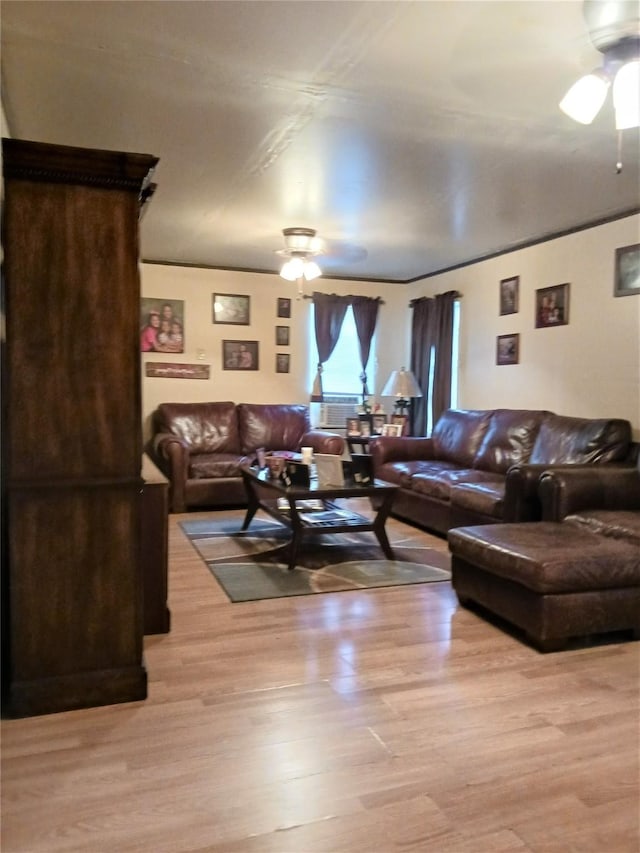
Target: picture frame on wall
[
  {"x": 161, "y": 325},
  {"x": 282, "y": 336},
  {"x": 283, "y": 308},
  {"x": 508, "y": 349},
  {"x": 509, "y": 295},
  {"x": 232, "y": 309},
  {"x": 240, "y": 355},
  {"x": 552, "y": 306},
  {"x": 627, "y": 271},
  {"x": 282, "y": 362}
]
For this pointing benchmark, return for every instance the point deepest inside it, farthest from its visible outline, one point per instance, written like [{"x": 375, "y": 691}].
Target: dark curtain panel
[
  {"x": 420, "y": 362},
  {"x": 432, "y": 339},
  {"x": 329, "y": 311},
  {"x": 365, "y": 314}
]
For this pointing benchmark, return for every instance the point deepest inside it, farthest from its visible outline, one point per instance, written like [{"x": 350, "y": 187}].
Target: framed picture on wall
[
  {"x": 282, "y": 336},
  {"x": 231, "y": 309},
  {"x": 552, "y": 306},
  {"x": 627, "y": 272},
  {"x": 509, "y": 295},
  {"x": 284, "y": 307},
  {"x": 282, "y": 362},
  {"x": 507, "y": 349},
  {"x": 161, "y": 325},
  {"x": 239, "y": 355}
]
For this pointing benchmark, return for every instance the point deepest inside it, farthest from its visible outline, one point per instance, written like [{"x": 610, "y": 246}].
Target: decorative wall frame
[
  {"x": 552, "y": 306},
  {"x": 283, "y": 307},
  {"x": 509, "y": 295},
  {"x": 240, "y": 355},
  {"x": 508, "y": 349},
  {"x": 161, "y": 325},
  {"x": 282, "y": 362},
  {"x": 162, "y": 370},
  {"x": 282, "y": 336},
  {"x": 627, "y": 271},
  {"x": 232, "y": 309}
]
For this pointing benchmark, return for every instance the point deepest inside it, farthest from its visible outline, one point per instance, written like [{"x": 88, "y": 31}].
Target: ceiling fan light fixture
[
  {"x": 300, "y": 247},
  {"x": 585, "y": 98},
  {"x": 311, "y": 270},
  {"x": 626, "y": 95}
]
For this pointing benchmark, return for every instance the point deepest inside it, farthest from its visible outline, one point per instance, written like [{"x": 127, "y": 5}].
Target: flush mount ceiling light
[
  {"x": 300, "y": 248},
  {"x": 614, "y": 30}
]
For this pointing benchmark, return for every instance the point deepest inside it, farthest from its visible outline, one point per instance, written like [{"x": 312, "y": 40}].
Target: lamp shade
[
  {"x": 626, "y": 95},
  {"x": 402, "y": 384},
  {"x": 585, "y": 98}
]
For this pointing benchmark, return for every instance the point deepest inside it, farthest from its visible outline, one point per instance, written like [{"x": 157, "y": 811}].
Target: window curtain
[
  {"x": 365, "y": 315},
  {"x": 329, "y": 311},
  {"x": 432, "y": 341}
]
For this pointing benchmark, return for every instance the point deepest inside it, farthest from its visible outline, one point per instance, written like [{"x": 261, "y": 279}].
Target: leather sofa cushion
[
  {"x": 618, "y": 524},
  {"x": 273, "y": 427},
  {"x": 509, "y": 439},
  {"x": 203, "y": 427},
  {"x": 485, "y": 497},
  {"x": 579, "y": 440},
  {"x": 548, "y": 557},
  {"x": 457, "y": 435},
  {"x": 437, "y": 481},
  {"x": 205, "y": 465}
]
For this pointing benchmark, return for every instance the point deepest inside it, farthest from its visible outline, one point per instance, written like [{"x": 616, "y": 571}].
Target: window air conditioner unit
[{"x": 336, "y": 409}]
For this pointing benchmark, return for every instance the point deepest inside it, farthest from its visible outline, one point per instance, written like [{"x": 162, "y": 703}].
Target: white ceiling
[{"x": 414, "y": 136}]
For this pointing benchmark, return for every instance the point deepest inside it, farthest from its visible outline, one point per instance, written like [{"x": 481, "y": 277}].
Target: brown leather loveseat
[
  {"x": 201, "y": 447},
  {"x": 484, "y": 466}
]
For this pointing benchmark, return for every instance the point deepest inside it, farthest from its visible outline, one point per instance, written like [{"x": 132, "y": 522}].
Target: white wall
[
  {"x": 588, "y": 368},
  {"x": 196, "y": 287}
]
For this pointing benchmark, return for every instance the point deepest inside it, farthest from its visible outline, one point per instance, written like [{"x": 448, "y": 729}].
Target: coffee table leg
[
  {"x": 252, "y": 504},
  {"x": 296, "y": 534},
  {"x": 378, "y": 525}
]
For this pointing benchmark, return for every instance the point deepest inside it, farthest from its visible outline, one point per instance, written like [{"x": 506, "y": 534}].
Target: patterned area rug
[{"x": 252, "y": 565}]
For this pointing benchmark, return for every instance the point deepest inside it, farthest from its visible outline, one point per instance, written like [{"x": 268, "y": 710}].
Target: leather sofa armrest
[
  {"x": 172, "y": 455},
  {"x": 564, "y": 491},
  {"x": 324, "y": 442},
  {"x": 521, "y": 498},
  {"x": 387, "y": 448}
]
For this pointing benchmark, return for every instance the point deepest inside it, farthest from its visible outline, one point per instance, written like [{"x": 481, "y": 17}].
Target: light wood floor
[{"x": 357, "y": 722}]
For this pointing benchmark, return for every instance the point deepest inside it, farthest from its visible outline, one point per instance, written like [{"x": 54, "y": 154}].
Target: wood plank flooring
[{"x": 354, "y": 722}]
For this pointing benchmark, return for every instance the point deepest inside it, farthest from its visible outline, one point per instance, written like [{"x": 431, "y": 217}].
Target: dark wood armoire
[{"x": 71, "y": 417}]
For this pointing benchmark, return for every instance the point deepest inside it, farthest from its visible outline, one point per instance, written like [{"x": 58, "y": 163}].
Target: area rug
[{"x": 252, "y": 564}]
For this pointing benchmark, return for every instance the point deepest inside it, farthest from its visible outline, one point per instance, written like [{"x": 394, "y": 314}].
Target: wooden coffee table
[{"x": 263, "y": 493}]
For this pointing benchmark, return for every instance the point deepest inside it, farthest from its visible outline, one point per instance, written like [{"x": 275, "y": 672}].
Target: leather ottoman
[{"x": 554, "y": 580}]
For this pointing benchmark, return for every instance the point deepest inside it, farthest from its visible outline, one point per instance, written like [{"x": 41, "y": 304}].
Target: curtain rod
[
  {"x": 456, "y": 295},
  {"x": 381, "y": 301}
]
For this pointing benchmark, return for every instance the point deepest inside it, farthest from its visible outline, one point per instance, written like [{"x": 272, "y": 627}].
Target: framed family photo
[
  {"x": 239, "y": 355},
  {"x": 284, "y": 307},
  {"x": 394, "y": 430},
  {"x": 509, "y": 294},
  {"x": 161, "y": 325},
  {"x": 282, "y": 362},
  {"x": 282, "y": 336},
  {"x": 231, "y": 308},
  {"x": 552, "y": 306},
  {"x": 507, "y": 349},
  {"x": 377, "y": 422},
  {"x": 627, "y": 272}
]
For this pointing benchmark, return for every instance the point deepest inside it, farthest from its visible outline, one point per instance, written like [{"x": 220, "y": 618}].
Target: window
[{"x": 340, "y": 374}]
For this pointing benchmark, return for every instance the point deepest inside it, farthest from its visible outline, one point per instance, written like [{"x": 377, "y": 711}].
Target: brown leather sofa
[
  {"x": 483, "y": 466},
  {"x": 200, "y": 447},
  {"x": 576, "y": 573}
]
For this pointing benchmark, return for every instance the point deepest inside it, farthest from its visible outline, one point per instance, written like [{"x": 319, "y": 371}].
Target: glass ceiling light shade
[
  {"x": 626, "y": 95},
  {"x": 585, "y": 98},
  {"x": 300, "y": 247}
]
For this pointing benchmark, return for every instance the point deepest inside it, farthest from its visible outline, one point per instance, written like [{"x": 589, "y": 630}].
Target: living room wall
[
  {"x": 203, "y": 338},
  {"x": 588, "y": 368}
]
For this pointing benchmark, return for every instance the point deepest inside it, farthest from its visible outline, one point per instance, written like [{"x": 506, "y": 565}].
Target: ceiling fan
[{"x": 302, "y": 246}]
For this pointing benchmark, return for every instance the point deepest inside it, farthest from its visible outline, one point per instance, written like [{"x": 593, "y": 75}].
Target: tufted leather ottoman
[{"x": 554, "y": 580}]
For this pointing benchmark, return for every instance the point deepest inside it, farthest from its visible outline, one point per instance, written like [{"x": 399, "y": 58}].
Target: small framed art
[
  {"x": 627, "y": 273},
  {"x": 377, "y": 422},
  {"x": 282, "y": 336},
  {"x": 507, "y": 349},
  {"x": 353, "y": 426},
  {"x": 552, "y": 306},
  {"x": 282, "y": 362},
  {"x": 509, "y": 295},
  {"x": 231, "y": 308},
  {"x": 284, "y": 307},
  {"x": 240, "y": 355},
  {"x": 394, "y": 430}
]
